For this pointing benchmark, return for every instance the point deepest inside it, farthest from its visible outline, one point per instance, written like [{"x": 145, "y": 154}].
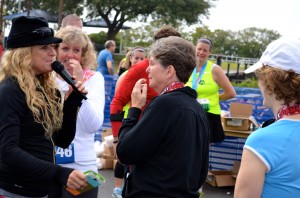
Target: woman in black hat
[{"x": 33, "y": 115}]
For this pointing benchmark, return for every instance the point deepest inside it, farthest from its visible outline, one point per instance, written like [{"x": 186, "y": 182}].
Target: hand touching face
[
  {"x": 139, "y": 94},
  {"x": 70, "y": 55}
]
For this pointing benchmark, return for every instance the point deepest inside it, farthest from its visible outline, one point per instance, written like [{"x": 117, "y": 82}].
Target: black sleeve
[
  {"x": 139, "y": 138},
  {"x": 13, "y": 105},
  {"x": 65, "y": 136}
]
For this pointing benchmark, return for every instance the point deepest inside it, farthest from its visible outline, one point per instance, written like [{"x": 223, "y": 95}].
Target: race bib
[{"x": 65, "y": 156}]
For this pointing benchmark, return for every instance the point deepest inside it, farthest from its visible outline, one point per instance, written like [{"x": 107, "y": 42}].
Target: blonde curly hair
[
  {"x": 73, "y": 35},
  {"x": 41, "y": 91}
]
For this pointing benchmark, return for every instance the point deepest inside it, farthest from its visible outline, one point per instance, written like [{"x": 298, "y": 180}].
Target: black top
[
  {"x": 121, "y": 71},
  {"x": 26, "y": 155},
  {"x": 168, "y": 147}
]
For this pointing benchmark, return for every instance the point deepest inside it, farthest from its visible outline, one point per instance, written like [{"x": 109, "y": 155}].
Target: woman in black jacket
[
  {"x": 33, "y": 117},
  {"x": 167, "y": 149}
]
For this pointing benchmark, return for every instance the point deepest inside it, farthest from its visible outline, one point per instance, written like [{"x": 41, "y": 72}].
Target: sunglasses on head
[{"x": 44, "y": 32}]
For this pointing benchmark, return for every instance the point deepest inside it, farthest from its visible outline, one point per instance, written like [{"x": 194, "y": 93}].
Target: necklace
[
  {"x": 287, "y": 111},
  {"x": 173, "y": 86}
]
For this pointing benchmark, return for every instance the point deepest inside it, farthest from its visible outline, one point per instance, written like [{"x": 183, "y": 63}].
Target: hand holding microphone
[{"x": 59, "y": 68}]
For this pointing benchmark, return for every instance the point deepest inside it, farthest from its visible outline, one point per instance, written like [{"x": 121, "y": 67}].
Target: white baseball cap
[{"x": 282, "y": 54}]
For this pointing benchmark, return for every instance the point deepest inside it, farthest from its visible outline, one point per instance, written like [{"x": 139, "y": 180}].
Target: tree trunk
[
  {"x": 111, "y": 35},
  {"x": 112, "y": 32},
  {"x": 1, "y": 14},
  {"x": 28, "y": 7},
  {"x": 60, "y": 8}
]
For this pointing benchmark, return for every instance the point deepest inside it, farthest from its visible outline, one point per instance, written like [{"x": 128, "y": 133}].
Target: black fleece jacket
[
  {"x": 26, "y": 155},
  {"x": 167, "y": 149}
]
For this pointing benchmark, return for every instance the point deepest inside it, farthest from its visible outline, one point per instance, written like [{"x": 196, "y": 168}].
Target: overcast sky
[{"x": 280, "y": 15}]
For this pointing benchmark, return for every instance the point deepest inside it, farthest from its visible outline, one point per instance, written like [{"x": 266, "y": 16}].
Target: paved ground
[{"x": 105, "y": 189}]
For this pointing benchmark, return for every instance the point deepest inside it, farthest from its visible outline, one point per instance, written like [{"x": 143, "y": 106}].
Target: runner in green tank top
[{"x": 207, "y": 78}]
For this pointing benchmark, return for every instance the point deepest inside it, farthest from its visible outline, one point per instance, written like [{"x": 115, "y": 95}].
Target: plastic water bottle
[
  {"x": 204, "y": 103},
  {"x": 201, "y": 193}
]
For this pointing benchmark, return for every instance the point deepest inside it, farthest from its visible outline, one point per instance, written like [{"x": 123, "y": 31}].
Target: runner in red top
[{"x": 123, "y": 94}]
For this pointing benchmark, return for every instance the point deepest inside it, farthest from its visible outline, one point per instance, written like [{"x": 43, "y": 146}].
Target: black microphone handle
[{"x": 72, "y": 83}]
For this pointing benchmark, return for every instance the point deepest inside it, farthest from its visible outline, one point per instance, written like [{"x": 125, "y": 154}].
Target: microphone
[{"x": 59, "y": 68}]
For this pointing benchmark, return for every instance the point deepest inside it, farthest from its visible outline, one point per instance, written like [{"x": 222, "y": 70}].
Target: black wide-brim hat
[{"x": 29, "y": 31}]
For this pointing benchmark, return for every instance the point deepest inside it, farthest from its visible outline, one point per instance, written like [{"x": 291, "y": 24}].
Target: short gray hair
[
  {"x": 177, "y": 52},
  {"x": 109, "y": 43},
  {"x": 71, "y": 20}
]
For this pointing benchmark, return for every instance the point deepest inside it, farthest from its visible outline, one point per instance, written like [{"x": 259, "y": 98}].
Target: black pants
[
  {"x": 119, "y": 170},
  {"x": 216, "y": 129}
]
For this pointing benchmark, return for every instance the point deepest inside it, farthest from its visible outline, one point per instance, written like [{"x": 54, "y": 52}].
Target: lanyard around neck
[{"x": 195, "y": 82}]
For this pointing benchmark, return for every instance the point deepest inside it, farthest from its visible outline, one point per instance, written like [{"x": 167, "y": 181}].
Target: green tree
[
  {"x": 1, "y": 13},
  {"x": 140, "y": 36},
  {"x": 69, "y": 6},
  {"x": 116, "y": 12},
  {"x": 143, "y": 35},
  {"x": 249, "y": 42},
  {"x": 253, "y": 41},
  {"x": 222, "y": 42},
  {"x": 52, "y": 6},
  {"x": 201, "y": 32},
  {"x": 221, "y": 39},
  {"x": 48, "y": 5},
  {"x": 100, "y": 38}
]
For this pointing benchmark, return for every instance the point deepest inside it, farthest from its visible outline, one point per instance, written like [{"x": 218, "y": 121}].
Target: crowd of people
[{"x": 164, "y": 115}]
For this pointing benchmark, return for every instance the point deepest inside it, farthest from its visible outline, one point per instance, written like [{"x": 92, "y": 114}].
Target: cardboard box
[
  {"x": 106, "y": 132},
  {"x": 107, "y": 163},
  {"x": 108, "y": 150},
  {"x": 236, "y": 168},
  {"x": 220, "y": 178},
  {"x": 106, "y": 156},
  {"x": 240, "y": 119},
  {"x": 114, "y": 164}
]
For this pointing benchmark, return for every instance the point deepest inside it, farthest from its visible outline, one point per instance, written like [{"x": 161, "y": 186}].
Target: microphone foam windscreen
[{"x": 57, "y": 66}]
